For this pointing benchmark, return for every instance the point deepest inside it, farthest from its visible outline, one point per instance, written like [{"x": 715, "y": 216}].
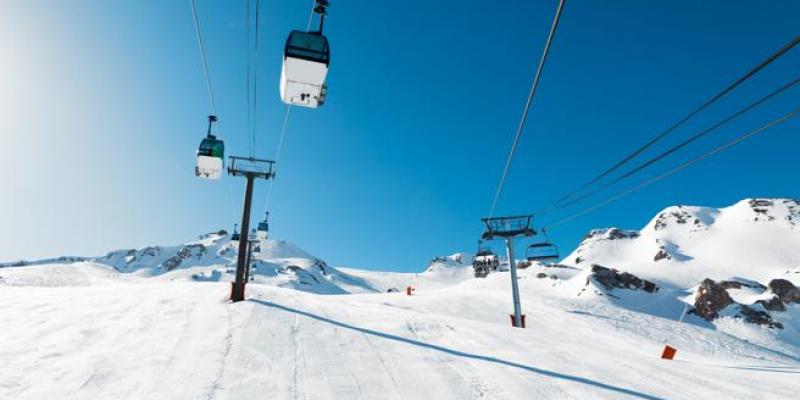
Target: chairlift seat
[{"x": 544, "y": 252}]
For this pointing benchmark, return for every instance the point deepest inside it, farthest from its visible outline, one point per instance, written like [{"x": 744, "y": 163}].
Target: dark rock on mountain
[
  {"x": 614, "y": 279},
  {"x": 740, "y": 283},
  {"x": 755, "y": 203},
  {"x": 611, "y": 234},
  {"x": 773, "y": 304},
  {"x": 661, "y": 255},
  {"x": 322, "y": 265},
  {"x": 680, "y": 217},
  {"x": 785, "y": 290},
  {"x": 186, "y": 252},
  {"x": 758, "y": 317},
  {"x": 710, "y": 299}
]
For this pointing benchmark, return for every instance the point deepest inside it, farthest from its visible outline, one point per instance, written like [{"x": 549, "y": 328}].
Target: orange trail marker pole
[{"x": 669, "y": 352}]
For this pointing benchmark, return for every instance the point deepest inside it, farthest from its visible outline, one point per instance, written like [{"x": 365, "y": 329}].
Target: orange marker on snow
[{"x": 668, "y": 353}]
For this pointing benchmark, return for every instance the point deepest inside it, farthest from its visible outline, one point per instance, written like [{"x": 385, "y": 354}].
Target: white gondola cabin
[
  {"x": 210, "y": 155},
  {"x": 305, "y": 66}
]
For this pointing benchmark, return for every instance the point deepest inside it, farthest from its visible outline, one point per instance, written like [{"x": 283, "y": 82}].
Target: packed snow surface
[{"x": 155, "y": 323}]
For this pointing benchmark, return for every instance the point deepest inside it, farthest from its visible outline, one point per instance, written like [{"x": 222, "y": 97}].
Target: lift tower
[
  {"x": 508, "y": 228},
  {"x": 252, "y": 169}
]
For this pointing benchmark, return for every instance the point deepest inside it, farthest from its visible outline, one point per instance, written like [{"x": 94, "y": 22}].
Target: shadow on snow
[{"x": 552, "y": 374}]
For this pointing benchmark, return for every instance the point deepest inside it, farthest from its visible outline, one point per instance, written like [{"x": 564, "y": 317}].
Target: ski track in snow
[
  {"x": 457, "y": 371},
  {"x": 84, "y": 331},
  {"x": 181, "y": 340}
]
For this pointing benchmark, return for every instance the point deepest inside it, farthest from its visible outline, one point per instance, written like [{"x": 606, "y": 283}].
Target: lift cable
[
  {"x": 311, "y": 15},
  {"x": 203, "y": 57},
  {"x": 208, "y": 82},
  {"x": 255, "y": 82},
  {"x": 672, "y": 149},
  {"x": 683, "y": 120},
  {"x": 247, "y": 75},
  {"x": 527, "y": 106},
  {"x": 278, "y": 155},
  {"x": 680, "y": 167}
]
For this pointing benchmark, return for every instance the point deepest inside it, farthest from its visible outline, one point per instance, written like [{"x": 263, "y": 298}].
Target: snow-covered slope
[
  {"x": 153, "y": 339},
  {"x": 212, "y": 257},
  {"x": 154, "y": 322},
  {"x": 722, "y": 266},
  {"x": 757, "y": 238}
]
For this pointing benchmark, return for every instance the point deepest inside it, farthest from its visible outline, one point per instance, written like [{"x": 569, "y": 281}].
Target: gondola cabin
[
  {"x": 210, "y": 154},
  {"x": 306, "y": 58},
  {"x": 210, "y": 158}
]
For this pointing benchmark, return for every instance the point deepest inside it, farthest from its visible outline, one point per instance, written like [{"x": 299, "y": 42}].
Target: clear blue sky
[{"x": 104, "y": 105}]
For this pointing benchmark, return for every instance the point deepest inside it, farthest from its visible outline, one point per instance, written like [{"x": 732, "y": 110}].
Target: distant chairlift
[
  {"x": 306, "y": 58},
  {"x": 544, "y": 252},
  {"x": 263, "y": 228},
  {"x": 484, "y": 262},
  {"x": 235, "y": 234},
  {"x": 210, "y": 155}
]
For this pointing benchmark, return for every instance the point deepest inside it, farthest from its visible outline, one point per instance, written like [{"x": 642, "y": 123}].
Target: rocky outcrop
[
  {"x": 755, "y": 203},
  {"x": 758, "y": 317},
  {"x": 679, "y": 217},
  {"x": 740, "y": 283},
  {"x": 611, "y": 234},
  {"x": 322, "y": 265},
  {"x": 773, "y": 304},
  {"x": 662, "y": 255},
  {"x": 768, "y": 209},
  {"x": 613, "y": 279},
  {"x": 186, "y": 252},
  {"x": 786, "y": 291},
  {"x": 710, "y": 299},
  {"x": 713, "y": 297}
]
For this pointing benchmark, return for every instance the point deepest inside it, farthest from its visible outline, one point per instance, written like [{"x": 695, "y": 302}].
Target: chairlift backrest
[{"x": 543, "y": 252}]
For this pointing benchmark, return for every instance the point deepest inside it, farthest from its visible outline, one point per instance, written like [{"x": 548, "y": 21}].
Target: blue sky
[{"x": 105, "y": 104}]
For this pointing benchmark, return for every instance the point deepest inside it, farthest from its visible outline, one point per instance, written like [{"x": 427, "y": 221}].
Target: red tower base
[{"x": 522, "y": 317}]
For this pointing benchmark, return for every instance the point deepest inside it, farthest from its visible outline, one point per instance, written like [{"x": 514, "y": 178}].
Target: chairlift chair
[
  {"x": 543, "y": 252},
  {"x": 235, "y": 234},
  {"x": 263, "y": 226},
  {"x": 210, "y": 155},
  {"x": 484, "y": 262},
  {"x": 306, "y": 58}
]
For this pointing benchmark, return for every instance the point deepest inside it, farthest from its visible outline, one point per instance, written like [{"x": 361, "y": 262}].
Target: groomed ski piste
[{"x": 155, "y": 323}]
